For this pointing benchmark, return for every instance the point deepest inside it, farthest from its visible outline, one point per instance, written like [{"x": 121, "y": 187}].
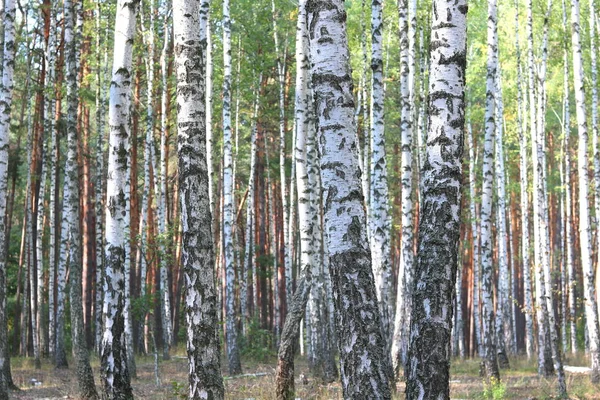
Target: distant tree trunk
[
  {"x": 405, "y": 273},
  {"x": 379, "y": 220},
  {"x": 570, "y": 266},
  {"x": 490, "y": 356},
  {"x": 99, "y": 180},
  {"x": 115, "y": 376},
  {"x": 233, "y": 352},
  {"x": 585, "y": 240},
  {"x": 365, "y": 364},
  {"x": 475, "y": 236},
  {"x": 6, "y": 91},
  {"x": 503, "y": 331},
  {"x": 439, "y": 225},
  {"x": 203, "y": 350},
  {"x": 594, "y": 126},
  {"x": 524, "y": 202},
  {"x": 165, "y": 305}
]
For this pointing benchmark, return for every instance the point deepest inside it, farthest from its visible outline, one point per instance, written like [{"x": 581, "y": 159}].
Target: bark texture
[
  {"x": 439, "y": 226},
  {"x": 205, "y": 380},
  {"x": 365, "y": 365},
  {"x": 115, "y": 372}
]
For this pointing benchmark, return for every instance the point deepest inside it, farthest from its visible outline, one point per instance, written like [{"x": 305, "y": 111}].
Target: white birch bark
[
  {"x": 489, "y": 347},
  {"x": 569, "y": 265},
  {"x": 439, "y": 227},
  {"x": 200, "y": 297},
  {"x": 233, "y": 353},
  {"x": 366, "y": 127},
  {"x": 73, "y": 29},
  {"x": 206, "y": 30},
  {"x": 162, "y": 214},
  {"x": 365, "y": 364},
  {"x": 405, "y": 273},
  {"x": 524, "y": 201},
  {"x": 99, "y": 180},
  {"x": 379, "y": 220},
  {"x": 591, "y": 305},
  {"x": 116, "y": 379},
  {"x": 594, "y": 126},
  {"x": 475, "y": 236},
  {"x": 503, "y": 330}
]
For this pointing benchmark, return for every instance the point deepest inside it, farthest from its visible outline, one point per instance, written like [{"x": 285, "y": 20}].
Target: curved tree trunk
[{"x": 205, "y": 380}]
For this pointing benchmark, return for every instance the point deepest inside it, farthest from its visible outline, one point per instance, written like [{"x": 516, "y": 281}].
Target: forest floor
[{"x": 521, "y": 382}]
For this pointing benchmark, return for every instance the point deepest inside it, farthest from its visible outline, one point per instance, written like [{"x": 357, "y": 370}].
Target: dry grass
[{"x": 521, "y": 382}]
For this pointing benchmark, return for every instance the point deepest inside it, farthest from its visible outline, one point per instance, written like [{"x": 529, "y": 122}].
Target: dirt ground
[{"x": 521, "y": 382}]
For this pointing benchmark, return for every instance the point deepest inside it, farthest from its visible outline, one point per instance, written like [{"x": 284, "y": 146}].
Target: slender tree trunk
[
  {"x": 585, "y": 235},
  {"x": 116, "y": 378},
  {"x": 73, "y": 26},
  {"x": 365, "y": 364},
  {"x": 503, "y": 331},
  {"x": 6, "y": 91},
  {"x": 405, "y": 273},
  {"x": 524, "y": 202},
  {"x": 568, "y": 223},
  {"x": 379, "y": 220},
  {"x": 439, "y": 226},
  {"x": 475, "y": 236},
  {"x": 203, "y": 350},
  {"x": 490, "y": 355},
  {"x": 165, "y": 305},
  {"x": 233, "y": 352}
]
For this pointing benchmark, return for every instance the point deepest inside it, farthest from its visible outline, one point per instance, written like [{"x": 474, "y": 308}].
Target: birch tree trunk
[
  {"x": 503, "y": 331},
  {"x": 490, "y": 355},
  {"x": 5, "y": 111},
  {"x": 570, "y": 267},
  {"x": 165, "y": 301},
  {"x": 99, "y": 183},
  {"x": 203, "y": 348},
  {"x": 115, "y": 375},
  {"x": 233, "y": 352},
  {"x": 594, "y": 125},
  {"x": 475, "y": 236},
  {"x": 365, "y": 365},
  {"x": 439, "y": 227},
  {"x": 405, "y": 273},
  {"x": 591, "y": 305},
  {"x": 85, "y": 376},
  {"x": 379, "y": 220},
  {"x": 524, "y": 201}
]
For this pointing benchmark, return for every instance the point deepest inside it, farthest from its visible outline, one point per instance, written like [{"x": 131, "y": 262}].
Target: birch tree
[
  {"x": 365, "y": 365},
  {"x": 200, "y": 297},
  {"x": 115, "y": 372},
  {"x": 585, "y": 236},
  {"x": 233, "y": 353},
  {"x": 403, "y": 296},
  {"x": 439, "y": 228},
  {"x": 524, "y": 199},
  {"x": 490, "y": 356},
  {"x": 85, "y": 376},
  {"x": 5, "y": 112},
  {"x": 379, "y": 221}
]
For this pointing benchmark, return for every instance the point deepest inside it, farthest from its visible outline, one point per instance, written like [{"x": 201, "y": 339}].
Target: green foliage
[
  {"x": 495, "y": 389},
  {"x": 258, "y": 344},
  {"x": 179, "y": 390}
]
